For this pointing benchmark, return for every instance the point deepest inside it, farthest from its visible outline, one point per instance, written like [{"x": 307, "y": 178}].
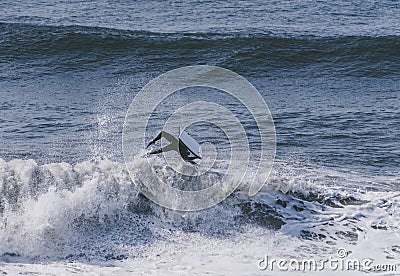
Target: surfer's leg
[
  {"x": 155, "y": 151},
  {"x": 163, "y": 134}
]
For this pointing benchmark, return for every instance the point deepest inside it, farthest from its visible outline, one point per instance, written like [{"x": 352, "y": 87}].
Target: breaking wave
[{"x": 92, "y": 210}]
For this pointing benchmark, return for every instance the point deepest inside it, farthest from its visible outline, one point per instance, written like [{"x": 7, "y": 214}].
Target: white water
[{"x": 89, "y": 217}]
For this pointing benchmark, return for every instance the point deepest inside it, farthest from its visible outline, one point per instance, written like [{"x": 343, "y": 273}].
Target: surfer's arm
[{"x": 162, "y": 134}]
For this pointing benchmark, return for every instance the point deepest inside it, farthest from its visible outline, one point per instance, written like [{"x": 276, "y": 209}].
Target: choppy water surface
[{"x": 330, "y": 73}]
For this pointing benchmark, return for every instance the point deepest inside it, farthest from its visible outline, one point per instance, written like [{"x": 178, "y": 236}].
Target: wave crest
[{"x": 79, "y": 47}]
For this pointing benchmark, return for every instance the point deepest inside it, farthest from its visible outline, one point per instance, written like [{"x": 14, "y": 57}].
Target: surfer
[{"x": 186, "y": 146}]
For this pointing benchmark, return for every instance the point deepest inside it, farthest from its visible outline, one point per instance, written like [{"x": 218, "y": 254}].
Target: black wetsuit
[{"x": 175, "y": 144}]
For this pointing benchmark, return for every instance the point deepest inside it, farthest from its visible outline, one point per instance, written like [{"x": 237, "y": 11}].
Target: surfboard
[{"x": 190, "y": 143}]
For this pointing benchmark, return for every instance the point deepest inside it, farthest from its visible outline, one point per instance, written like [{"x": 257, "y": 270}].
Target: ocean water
[{"x": 328, "y": 70}]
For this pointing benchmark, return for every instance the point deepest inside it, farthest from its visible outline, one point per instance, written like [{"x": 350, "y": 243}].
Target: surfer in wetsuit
[{"x": 176, "y": 145}]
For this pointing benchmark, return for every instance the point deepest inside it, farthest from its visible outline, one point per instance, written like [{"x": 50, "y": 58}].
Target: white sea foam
[{"x": 93, "y": 214}]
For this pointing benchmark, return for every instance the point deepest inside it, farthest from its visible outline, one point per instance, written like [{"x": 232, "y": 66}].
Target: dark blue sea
[{"x": 329, "y": 72}]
